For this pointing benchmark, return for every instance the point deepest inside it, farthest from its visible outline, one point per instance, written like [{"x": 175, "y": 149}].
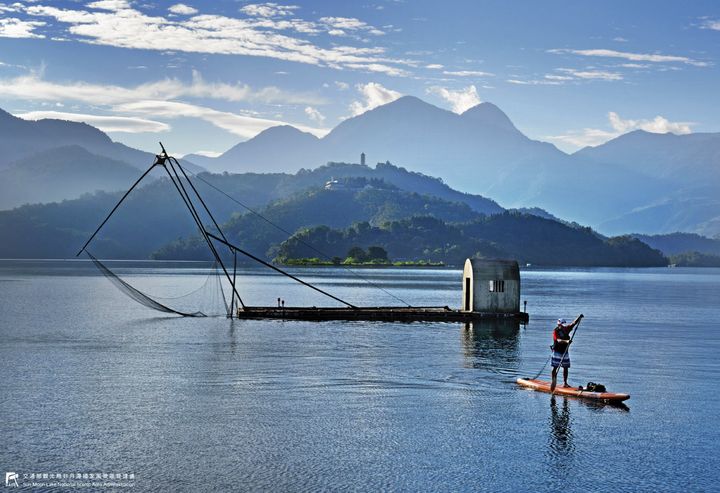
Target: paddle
[{"x": 568, "y": 347}]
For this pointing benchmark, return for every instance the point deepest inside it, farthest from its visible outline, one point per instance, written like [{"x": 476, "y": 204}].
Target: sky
[{"x": 203, "y": 76}]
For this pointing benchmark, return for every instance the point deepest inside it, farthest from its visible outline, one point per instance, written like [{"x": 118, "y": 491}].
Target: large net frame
[{"x": 153, "y": 303}]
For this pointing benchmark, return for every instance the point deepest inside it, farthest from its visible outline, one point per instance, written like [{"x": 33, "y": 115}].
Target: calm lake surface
[{"x": 94, "y": 382}]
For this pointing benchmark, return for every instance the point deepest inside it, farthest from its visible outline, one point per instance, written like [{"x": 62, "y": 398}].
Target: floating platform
[{"x": 377, "y": 313}]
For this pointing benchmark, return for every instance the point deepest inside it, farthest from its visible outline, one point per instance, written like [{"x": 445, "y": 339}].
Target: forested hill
[
  {"x": 315, "y": 207},
  {"x": 411, "y": 225},
  {"x": 153, "y": 215},
  {"x": 436, "y": 231},
  {"x": 527, "y": 238}
]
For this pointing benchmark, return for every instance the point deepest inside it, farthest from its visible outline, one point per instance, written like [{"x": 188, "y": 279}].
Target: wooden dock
[{"x": 376, "y": 313}]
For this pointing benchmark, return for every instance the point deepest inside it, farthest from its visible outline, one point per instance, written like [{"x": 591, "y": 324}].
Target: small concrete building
[{"x": 491, "y": 286}]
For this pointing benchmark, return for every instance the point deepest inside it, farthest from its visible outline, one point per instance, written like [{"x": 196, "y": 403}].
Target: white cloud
[
  {"x": 116, "y": 23},
  {"x": 549, "y": 80},
  {"x": 11, "y": 27},
  {"x": 208, "y": 153},
  {"x": 468, "y": 73},
  {"x": 240, "y": 125},
  {"x": 711, "y": 24},
  {"x": 658, "y": 125},
  {"x": 182, "y": 9},
  {"x": 33, "y": 88},
  {"x": 112, "y": 5},
  {"x": 343, "y": 86},
  {"x": 593, "y": 136},
  {"x": 460, "y": 100},
  {"x": 340, "y": 25},
  {"x": 591, "y": 74},
  {"x": 634, "y": 57},
  {"x": 566, "y": 75},
  {"x": 575, "y": 140},
  {"x": 314, "y": 114},
  {"x": 135, "y": 105},
  {"x": 268, "y": 10},
  {"x": 374, "y": 95},
  {"x": 104, "y": 123},
  {"x": 378, "y": 67},
  {"x": 16, "y": 7},
  {"x": 435, "y": 66}
]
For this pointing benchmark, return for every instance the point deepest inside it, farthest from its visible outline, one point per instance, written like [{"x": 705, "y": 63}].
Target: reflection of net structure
[{"x": 201, "y": 302}]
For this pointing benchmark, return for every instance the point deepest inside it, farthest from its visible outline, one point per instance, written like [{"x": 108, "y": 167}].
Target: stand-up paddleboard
[{"x": 544, "y": 386}]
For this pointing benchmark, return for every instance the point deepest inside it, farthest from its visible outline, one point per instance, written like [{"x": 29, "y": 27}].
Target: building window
[{"x": 497, "y": 286}]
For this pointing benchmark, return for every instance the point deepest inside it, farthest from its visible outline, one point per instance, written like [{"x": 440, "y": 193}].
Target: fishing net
[{"x": 210, "y": 301}]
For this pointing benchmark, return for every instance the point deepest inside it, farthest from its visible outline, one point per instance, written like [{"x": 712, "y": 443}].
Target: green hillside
[
  {"x": 319, "y": 207},
  {"x": 527, "y": 238}
]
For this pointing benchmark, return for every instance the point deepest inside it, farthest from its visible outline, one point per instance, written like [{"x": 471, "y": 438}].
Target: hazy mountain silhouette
[
  {"x": 49, "y": 160},
  {"x": 61, "y": 173},
  {"x": 479, "y": 151},
  {"x": 687, "y": 165},
  {"x": 676, "y": 243},
  {"x": 21, "y": 138},
  {"x": 640, "y": 182},
  {"x": 277, "y": 149},
  {"x": 691, "y": 159}
]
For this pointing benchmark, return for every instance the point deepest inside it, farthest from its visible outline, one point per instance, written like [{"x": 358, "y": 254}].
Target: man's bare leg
[
  {"x": 554, "y": 379},
  {"x": 565, "y": 376}
]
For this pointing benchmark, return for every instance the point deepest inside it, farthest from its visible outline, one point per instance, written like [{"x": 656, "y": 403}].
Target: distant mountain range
[
  {"x": 59, "y": 173},
  {"x": 639, "y": 182},
  {"x": 51, "y": 160},
  {"x": 677, "y": 243},
  {"x": 649, "y": 183}
]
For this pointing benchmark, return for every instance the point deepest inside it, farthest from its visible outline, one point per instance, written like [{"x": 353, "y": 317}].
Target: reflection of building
[
  {"x": 491, "y": 286},
  {"x": 491, "y": 343}
]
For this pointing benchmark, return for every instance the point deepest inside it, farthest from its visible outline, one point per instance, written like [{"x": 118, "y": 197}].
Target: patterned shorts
[{"x": 558, "y": 360}]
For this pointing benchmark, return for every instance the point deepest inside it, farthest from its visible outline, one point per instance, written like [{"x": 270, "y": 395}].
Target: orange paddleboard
[{"x": 544, "y": 386}]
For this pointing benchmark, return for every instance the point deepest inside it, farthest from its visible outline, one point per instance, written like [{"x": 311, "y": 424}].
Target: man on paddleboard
[{"x": 561, "y": 350}]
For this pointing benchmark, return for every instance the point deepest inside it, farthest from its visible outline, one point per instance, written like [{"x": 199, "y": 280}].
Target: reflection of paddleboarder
[
  {"x": 561, "y": 427},
  {"x": 561, "y": 348}
]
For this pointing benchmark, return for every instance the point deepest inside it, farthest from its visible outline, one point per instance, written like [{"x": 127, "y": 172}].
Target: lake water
[{"x": 95, "y": 383}]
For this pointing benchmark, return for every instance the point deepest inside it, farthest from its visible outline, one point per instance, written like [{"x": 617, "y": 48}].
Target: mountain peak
[
  {"x": 269, "y": 146},
  {"x": 489, "y": 114},
  {"x": 281, "y": 130},
  {"x": 408, "y": 103},
  {"x": 5, "y": 115}
]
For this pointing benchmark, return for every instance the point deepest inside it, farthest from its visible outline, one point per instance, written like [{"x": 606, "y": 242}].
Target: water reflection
[
  {"x": 491, "y": 345},
  {"x": 561, "y": 436},
  {"x": 232, "y": 336}
]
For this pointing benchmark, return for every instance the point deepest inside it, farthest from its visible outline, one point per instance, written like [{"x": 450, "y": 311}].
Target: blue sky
[{"x": 203, "y": 76}]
